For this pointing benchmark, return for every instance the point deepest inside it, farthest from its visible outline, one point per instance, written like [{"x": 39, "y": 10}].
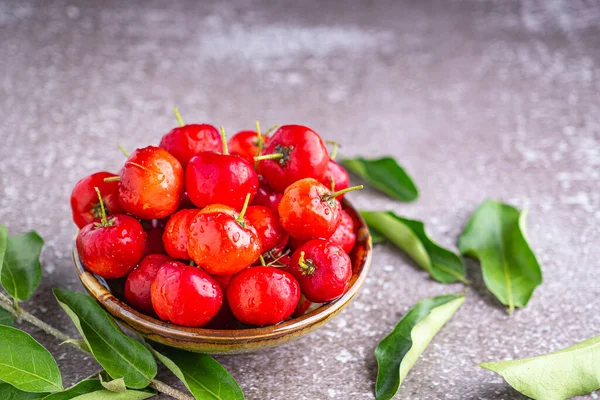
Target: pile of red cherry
[{"x": 254, "y": 234}]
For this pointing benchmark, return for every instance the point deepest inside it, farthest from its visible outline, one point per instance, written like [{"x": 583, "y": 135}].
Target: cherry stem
[
  {"x": 124, "y": 150},
  {"x": 344, "y": 191},
  {"x": 334, "y": 152},
  {"x": 112, "y": 179},
  {"x": 240, "y": 218},
  {"x": 306, "y": 266},
  {"x": 224, "y": 141},
  {"x": 259, "y": 145},
  {"x": 262, "y": 261},
  {"x": 271, "y": 129},
  {"x": 102, "y": 210},
  {"x": 138, "y": 165},
  {"x": 178, "y": 116},
  {"x": 192, "y": 264},
  {"x": 258, "y": 134},
  {"x": 274, "y": 156}
]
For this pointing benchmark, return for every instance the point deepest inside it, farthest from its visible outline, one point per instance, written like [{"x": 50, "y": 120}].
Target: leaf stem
[
  {"x": 163, "y": 388},
  {"x": 6, "y": 303}
]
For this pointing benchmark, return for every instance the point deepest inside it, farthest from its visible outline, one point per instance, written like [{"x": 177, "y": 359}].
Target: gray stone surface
[{"x": 476, "y": 99}]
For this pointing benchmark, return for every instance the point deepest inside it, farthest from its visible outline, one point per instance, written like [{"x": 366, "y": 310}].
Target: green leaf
[
  {"x": 6, "y": 318},
  {"x": 409, "y": 235},
  {"x": 91, "y": 388},
  {"x": 204, "y": 377},
  {"x": 83, "y": 387},
  {"x": 108, "y": 395},
  {"x": 120, "y": 355},
  {"x": 569, "y": 372},
  {"x": 113, "y": 385},
  {"x": 21, "y": 269},
  {"x": 26, "y": 364},
  {"x": 376, "y": 237},
  {"x": 386, "y": 175},
  {"x": 3, "y": 242},
  {"x": 398, "y": 352},
  {"x": 9, "y": 392},
  {"x": 495, "y": 235}
]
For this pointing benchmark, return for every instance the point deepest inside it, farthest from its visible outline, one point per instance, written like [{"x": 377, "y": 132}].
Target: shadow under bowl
[{"x": 236, "y": 340}]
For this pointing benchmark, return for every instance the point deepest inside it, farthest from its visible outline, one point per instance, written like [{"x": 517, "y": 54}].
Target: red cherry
[
  {"x": 154, "y": 241},
  {"x": 265, "y": 196},
  {"x": 304, "y": 155},
  {"x": 185, "y": 202},
  {"x": 175, "y": 236},
  {"x": 151, "y": 183},
  {"x": 186, "y": 141},
  {"x": 322, "y": 269},
  {"x": 113, "y": 247},
  {"x": 303, "y": 305},
  {"x": 139, "y": 282},
  {"x": 338, "y": 175},
  {"x": 309, "y": 210},
  {"x": 278, "y": 254},
  {"x": 224, "y": 318},
  {"x": 185, "y": 295},
  {"x": 213, "y": 178},
  {"x": 263, "y": 295},
  {"x": 245, "y": 145},
  {"x": 222, "y": 241},
  {"x": 84, "y": 201},
  {"x": 344, "y": 235},
  {"x": 266, "y": 223}
]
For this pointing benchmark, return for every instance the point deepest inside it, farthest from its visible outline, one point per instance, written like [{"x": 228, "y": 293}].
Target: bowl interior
[{"x": 110, "y": 294}]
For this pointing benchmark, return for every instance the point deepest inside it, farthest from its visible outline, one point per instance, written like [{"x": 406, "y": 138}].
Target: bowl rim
[{"x": 98, "y": 288}]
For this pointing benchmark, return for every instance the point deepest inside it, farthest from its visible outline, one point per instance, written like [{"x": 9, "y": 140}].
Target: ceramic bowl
[{"x": 237, "y": 340}]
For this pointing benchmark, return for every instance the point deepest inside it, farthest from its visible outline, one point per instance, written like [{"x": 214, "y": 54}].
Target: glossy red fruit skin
[
  {"x": 139, "y": 282},
  {"x": 245, "y": 145},
  {"x": 154, "y": 241},
  {"x": 263, "y": 295},
  {"x": 84, "y": 199},
  {"x": 344, "y": 235},
  {"x": 265, "y": 196},
  {"x": 266, "y": 223},
  {"x": 332, "y": 270},
  {"x": 219, "y": 244},
  {"x": 186, "y": 141},
  {"x": 111, "y": 251},
  {"x": 305, "y": 156},
  {"x": 303, "y": 305},
  {"x": 224, "y": 318},
  {"x": 151, "y": 183},
  {"x": 305, "y": 211},
  {"x": 185, "y": 295},
  {"x": 175, "y": 236},
  {"x": 340, "y": 178},
  {"x": 277, "y": 253},
  {"x": 213, "y": 178}
]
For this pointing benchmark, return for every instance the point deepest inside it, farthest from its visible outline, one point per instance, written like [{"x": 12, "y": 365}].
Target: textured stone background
[{"x": 476, "y": 99}]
